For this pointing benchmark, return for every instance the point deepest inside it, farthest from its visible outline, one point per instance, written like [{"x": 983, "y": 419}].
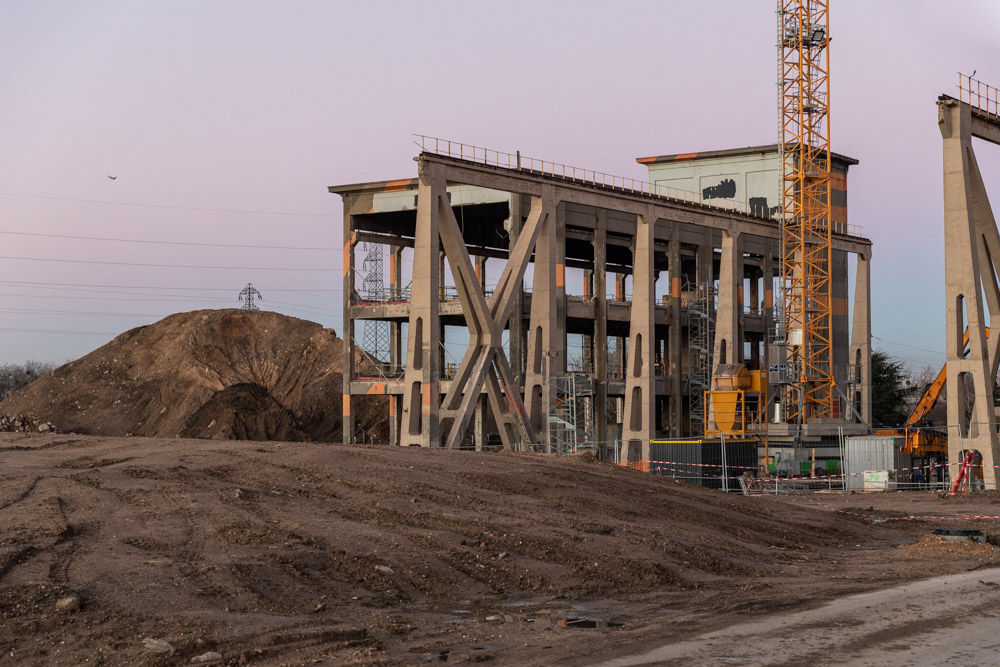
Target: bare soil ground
[{"x": 291, "y": 553}]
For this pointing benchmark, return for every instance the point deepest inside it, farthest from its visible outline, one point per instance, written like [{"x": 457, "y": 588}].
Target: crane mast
[{"x": 804, "y": 149}]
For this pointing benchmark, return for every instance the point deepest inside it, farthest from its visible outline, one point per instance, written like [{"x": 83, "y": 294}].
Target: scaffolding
[
  {"x": 375, "y": 339},
  {"x": 700, "y": 327},
  {"x": 568, "y": 413}
]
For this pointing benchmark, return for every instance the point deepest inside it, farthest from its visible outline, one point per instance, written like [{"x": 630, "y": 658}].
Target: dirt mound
[
  {"x": 154, "y": 380},
  {"x": 244, "y": 412}
]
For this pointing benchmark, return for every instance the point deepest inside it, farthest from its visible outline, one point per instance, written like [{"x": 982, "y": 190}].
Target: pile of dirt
[
  {"x": 300, "y": 553},
  {"x": 185, "y": 372},
  {"x": 244, "y": 412}
]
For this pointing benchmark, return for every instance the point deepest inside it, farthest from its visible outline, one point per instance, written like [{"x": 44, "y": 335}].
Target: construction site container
[{"x": 874, "y": 463}]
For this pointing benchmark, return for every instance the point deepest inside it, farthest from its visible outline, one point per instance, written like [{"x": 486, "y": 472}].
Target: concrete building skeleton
[{"x": 632, "y": 250}]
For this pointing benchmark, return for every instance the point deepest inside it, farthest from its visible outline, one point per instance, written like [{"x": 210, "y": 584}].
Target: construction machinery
[
  {"x": 737, "y": 403},
  {"x": 920, "y": 438}
]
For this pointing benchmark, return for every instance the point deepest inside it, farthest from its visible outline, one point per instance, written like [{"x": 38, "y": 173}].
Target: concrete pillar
[
  {"x": 640, "y": 395},
  {"x": 839, "y": 294},
  {"x": 348, "y": 333},
  {"x": 587, "y": 355},
  {"x": 396, "y": 328},
  {"x": 600, "y": 328},
  {"x": 395, "y": 344},
  {"x": 546, "y": 332},
  {"x": 422, "y": 394},
  {"x": 515, "y": 323},
  {"x": 963, "y": 287},
  {"x": 675, "y": 342},
  {"x": 706, "y": 258},
  {"x": 767, "y": 310},
  {"x": 861, "y": 337},
  {"x": 479, "y": 426},
  {"x": 728, "y": 338}
]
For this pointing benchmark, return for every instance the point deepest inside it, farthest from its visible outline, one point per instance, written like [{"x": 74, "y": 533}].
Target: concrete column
[
  {"x": 640, "y": 395},
  {"x": 349, "y": 368},
  {"x": 546, "y": 332},
  {"x": 600, "y": 328},
  {"x": 706, "y": 258},
  {"x": 728, "y": 339},
  {"x": 840, "y": 325},
  {"x": 422, "y": 393},
  {"x": 675, "y": 341},
  {"x": 395, "y": 344},
  {"x": 963, "y": 287},
  {"x": 587, "y": 354},
  {"x": 767, "y": 269},
  {"x": 396, "y": 328},
  {"x": 479, "y": 426},
  {"x": 861, "y": 337},
  {"x": 515, "y": 324},
  {"x": 561, "y": 305}
]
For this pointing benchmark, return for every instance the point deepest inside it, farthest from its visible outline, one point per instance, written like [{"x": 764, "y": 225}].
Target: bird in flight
[{"x": 113, "y": 178}]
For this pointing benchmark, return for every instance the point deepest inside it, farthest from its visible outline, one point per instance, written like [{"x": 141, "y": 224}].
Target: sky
[{"x": 225, "y": 122}]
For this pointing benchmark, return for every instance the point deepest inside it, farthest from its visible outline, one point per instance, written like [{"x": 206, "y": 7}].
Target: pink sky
[{"x": 231, "y": 106}]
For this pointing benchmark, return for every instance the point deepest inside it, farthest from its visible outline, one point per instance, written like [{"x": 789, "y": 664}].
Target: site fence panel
[{"x": 715, "y": 464}]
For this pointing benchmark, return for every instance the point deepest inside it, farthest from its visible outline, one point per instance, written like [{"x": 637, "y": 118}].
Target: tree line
[{"x": 17, "y": 376}]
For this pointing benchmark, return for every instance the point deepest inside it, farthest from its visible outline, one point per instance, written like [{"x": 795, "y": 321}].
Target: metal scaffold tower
[
  {"x": 804, "y": 145},
  {"x": 567, "y": 413},
  {"x": 375, "y": 339},
  {"x": 700, "y": 311}
]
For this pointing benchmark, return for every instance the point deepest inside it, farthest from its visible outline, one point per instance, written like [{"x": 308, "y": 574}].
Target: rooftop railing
[
  {"x": 984, "y": 99},
  {"x": 488, "y": 156}
]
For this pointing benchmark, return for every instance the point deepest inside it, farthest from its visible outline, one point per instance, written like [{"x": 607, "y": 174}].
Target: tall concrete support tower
[{"x": 972, "y": 248}]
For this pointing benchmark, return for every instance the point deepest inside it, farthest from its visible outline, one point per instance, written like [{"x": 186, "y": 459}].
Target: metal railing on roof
[
  {"x": 984, "y": 99},
  {"x": 488, "y": 156}
]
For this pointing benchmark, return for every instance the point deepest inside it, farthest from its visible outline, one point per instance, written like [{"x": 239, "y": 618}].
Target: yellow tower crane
[{"x": 804, "y": 148}]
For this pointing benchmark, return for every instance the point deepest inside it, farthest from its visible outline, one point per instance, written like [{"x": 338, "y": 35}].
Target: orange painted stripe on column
[
  {"x": 392, "y": 268},
  {"x": 377, "y": 388},
  {"x": 392, "y": 408},
  {"x": 739, "y": 294},
  {"x": 675, "y": 288},
  {"x": 425, "y": 399},
  {"x": 347, "y": 405},
  {"x": 768, "y": 298},
  {"x": 839, "y": 307},
  {"x": 560, "y": 275}
]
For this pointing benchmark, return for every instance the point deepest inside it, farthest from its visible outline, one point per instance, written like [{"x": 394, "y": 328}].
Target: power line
[
  {"x": 157, "y": 298},
  {"x": 165, "y": 266},
  {"x": 914, "y": 347},
  {"x": 180, "y": 243},
  {"x": 60, "y": 331},
  {"x": 200, "y": 289},
  {"x": 167, "y": 206}
]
